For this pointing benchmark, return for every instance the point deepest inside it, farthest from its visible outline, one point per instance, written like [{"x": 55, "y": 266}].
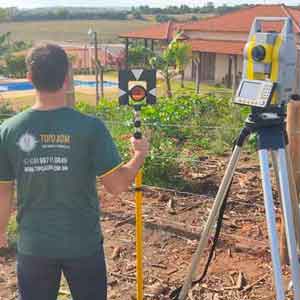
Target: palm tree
[
  {"x": 164, "y": 63},
  {"x": 182, "y": 53}
]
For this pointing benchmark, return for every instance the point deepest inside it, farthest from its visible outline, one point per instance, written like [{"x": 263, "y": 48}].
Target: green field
[{"x": 71, "y": 30}]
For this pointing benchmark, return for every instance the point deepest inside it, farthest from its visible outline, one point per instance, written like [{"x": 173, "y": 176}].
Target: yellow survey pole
[
  {"x": 139, "y": 235},
  {"x": 137, "y": 94}
]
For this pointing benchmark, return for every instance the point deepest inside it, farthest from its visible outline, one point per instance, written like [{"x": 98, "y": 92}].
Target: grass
[
  {"x": 71, "y": 30},
  {"x": 19, "y": 101}
]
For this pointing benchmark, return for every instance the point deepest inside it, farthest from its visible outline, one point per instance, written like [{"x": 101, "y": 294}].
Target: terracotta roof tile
[
  {"x": 163, "y": 31},
  {"x": 217, "y": 46},
  {"x": 241, "y": 20}
]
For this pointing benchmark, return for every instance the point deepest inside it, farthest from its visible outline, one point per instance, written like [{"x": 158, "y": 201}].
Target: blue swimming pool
[{"x": 25, "y": 86}]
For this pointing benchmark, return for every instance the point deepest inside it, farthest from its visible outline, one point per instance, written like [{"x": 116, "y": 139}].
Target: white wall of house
[
  {"x": 188, "y": 71},
  {"x": 222, "y": 60},
  {"x": 222, "y": 64},
  {"x": 221, "y": 67}
]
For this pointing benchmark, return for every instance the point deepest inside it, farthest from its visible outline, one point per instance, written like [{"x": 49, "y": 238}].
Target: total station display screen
[{"x": 250, "y": 90}]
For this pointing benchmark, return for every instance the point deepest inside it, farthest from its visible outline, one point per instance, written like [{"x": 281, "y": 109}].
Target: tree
[
  {"x": 16, "y": 65},
  {"x": 139, "y": 56},
  {"x": 63, "y": 14},
  {"x": 182, "y": 53},
  {"x": 4, "y": 44},
  {"x": 165, "y": 63},
  {"x": 137, "y": 15},
  {"x": 3, "y": 14},
  {"x": 208, "y": 8},
  {"x": 163, "y": 18}
]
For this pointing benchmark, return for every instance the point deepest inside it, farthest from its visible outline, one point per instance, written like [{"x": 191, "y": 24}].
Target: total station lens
[
  {"x": 258, "y": 53},
  {"x": 138, "y": 93}
]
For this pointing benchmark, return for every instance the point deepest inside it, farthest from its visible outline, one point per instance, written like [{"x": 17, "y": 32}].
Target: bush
[
  {"x": 12, "y": 233},
  {"x": 5, "y": 110},
  {"x": 16, "y": 66},
  {"x": 181, "y": 129},
  {"x": 163, "y": 18}
]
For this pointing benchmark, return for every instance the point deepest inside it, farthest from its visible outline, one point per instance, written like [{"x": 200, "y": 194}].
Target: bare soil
[{"x": 241, "y": 267}]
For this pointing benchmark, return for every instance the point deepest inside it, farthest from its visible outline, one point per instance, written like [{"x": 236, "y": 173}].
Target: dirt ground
[{"x": 241, "y": 267}]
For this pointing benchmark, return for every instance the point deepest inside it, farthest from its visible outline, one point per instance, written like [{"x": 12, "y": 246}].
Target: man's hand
[
  {"x": 140, "y": 147},
  {"x": 119, "y": 181}
]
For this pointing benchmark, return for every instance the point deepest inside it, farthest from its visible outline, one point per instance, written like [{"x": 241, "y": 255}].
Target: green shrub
[
  {"x": 181, "y": 129},
  {"x": 5, "y": 111},
  {"x": 12, "y": 233}
]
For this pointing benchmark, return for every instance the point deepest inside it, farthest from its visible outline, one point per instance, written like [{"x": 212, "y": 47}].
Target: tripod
[{"x": 271, "y": 132}]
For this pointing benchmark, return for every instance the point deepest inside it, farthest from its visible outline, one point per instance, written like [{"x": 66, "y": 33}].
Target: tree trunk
[
  {"x": 168, "y": 84},
  {"x": 229, "y": 75},
  {"x": 102, "y": 82},
  {"x": 198, "y": 76},
  {"x": 182, "y": 79},
  {"x": 97, "y": 84},
  {"x": 234, "y": 82}
]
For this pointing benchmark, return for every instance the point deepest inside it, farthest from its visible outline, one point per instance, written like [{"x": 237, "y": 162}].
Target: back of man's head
[{"x": 48, "y": 66}]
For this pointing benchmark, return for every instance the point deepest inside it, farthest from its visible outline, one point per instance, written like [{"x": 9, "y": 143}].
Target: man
[{"x": 54, "y": 154}]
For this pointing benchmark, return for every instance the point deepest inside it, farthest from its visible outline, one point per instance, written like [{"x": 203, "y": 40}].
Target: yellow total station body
[{"x": 272, "y": 56}]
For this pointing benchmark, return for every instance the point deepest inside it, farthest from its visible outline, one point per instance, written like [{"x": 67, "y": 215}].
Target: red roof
[
  {"x": 241, "y": 20},
  {"x": 217, "y": 46},
  {"x": 163, "y": 31}
]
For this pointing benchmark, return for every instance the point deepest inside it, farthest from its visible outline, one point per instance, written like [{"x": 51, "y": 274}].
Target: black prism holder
[{"x": 137, "y": 87}]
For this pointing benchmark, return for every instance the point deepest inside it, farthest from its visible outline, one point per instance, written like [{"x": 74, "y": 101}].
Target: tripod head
[{"x": 269, "y": 65}]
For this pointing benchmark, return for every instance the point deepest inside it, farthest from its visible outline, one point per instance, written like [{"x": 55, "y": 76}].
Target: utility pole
[
  {"x": 97, "y": 65},
  {"x": 70, "y": 93}
]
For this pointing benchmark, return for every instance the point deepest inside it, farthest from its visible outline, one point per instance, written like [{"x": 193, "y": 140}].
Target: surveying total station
[
  {"x": 138, "y": 88},
  {"x": 268, "y": 83}
]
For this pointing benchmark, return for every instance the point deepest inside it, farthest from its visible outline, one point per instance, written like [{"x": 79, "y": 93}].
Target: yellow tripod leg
[{"x": 139, "y": 235}]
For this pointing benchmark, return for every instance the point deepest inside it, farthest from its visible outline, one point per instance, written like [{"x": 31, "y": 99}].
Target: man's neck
[{"x": 49, "y": 101}]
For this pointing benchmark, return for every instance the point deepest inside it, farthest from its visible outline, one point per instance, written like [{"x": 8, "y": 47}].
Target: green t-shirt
[{"x": 55, "y": 156}]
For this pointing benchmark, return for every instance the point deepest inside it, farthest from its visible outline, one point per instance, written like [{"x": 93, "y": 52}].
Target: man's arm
[
  {"x": 119, "y": 180},
  {"x": 6, "y": 196}
]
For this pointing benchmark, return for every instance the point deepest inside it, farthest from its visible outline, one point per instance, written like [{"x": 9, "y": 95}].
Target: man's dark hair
[{"x": 48, "y": 64}]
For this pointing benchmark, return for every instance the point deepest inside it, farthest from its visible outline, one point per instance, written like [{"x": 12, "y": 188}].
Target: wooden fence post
[{"x": 293, "y": 157}]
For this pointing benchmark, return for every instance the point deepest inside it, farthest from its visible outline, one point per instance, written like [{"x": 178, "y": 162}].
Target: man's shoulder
[
  {"x": 15, "y": 120},
  {"x": 93, "y": 121}
]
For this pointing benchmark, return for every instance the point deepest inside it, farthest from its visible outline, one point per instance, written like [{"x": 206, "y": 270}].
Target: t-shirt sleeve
[
  {"x": 6, "y": 170},
  {"x": 105, "y": 155}
]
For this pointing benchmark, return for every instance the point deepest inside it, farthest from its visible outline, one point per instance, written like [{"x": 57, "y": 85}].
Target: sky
[{"x": 128, "y": 3}]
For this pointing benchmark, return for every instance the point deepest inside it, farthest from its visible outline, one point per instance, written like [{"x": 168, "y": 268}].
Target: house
[
  {"x": 83, "y": 55},
  {"x": 156, "y": 35},
  {"x": 218, "y": 42},
  {"x": 162, "y": 33}
]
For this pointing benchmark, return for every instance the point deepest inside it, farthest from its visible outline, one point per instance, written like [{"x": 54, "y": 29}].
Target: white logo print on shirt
[{"x": 27, "y": 142}]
